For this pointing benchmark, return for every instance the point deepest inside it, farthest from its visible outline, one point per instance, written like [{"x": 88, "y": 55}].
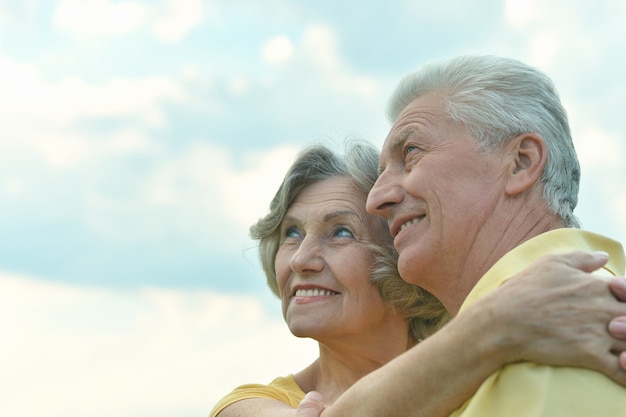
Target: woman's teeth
[{"x": 316, "y": 292}]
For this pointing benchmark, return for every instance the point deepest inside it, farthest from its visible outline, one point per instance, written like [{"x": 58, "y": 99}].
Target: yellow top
[
  {"x": 530, "y": 390},
  {"x": 284, "y": 389}
]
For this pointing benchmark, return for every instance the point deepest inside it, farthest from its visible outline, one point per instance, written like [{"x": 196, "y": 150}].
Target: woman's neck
[{"x": 342, "y": 363}]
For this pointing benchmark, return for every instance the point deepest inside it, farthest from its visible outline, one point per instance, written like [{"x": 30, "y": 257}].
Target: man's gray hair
[{"x": 497, "y": 99}]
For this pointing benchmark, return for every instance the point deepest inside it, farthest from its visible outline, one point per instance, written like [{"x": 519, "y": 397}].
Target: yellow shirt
[
  {"x": 530, "y": 390},
  {"x": 284, "y": 389}
]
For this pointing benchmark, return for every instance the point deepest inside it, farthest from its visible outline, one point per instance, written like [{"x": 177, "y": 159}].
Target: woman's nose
[{"x": 308, "y": 258}]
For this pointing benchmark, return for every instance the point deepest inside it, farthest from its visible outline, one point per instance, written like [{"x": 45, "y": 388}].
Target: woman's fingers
[
  {"x": 311, "y": 405},
  {"x": 618, "y": 288},
  {"x": 584, "y": 261},
  {"x": 617, "y": 327}
]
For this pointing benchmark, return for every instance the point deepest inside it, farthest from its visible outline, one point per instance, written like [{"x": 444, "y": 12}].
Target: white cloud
[
  {"x": 176, "y": 19},
  {"x": 618, "y": 211},
  {"x": 153, "y": 352},
  {"x": 74, "y": 136},
  {"x": 39, "y": 117},
  {"x": 317, "y": 56},
  {"x": 600, "y": 155},
  {"x": 256, "y": 184},
  {"x": 320, "y": 44},
  {"x": 19, "y": 14},
  {"x": 197, "y": 194},
  {"x": 27, "y": 95},
  {"x": 598, "y": 149},
  {"x": 98, "y": 17},
  {"x": 170, "y": 20},
  {"x": 238, "y": 85},
  {"x": 543, "y": 48},
  {"x": 565, "y": 36},
  {"x": 118, "y": 97},
  {"x": 520, "y": 12},
  {"x": 277, "y": 50}
]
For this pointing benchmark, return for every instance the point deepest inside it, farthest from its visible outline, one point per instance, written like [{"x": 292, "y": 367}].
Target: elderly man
[{"x": 479, "y": 178}]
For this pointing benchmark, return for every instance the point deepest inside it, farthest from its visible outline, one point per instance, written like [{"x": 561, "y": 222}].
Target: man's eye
[
  {"x": 343, "y": 232},
  {"x": 410, "y": 149}
]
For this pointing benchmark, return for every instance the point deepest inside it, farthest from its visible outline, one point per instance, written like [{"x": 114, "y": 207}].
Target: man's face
[{"x": 437, "y": 192}]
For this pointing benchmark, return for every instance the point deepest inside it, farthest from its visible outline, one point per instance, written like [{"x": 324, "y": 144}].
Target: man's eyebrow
[
  {"x": 396, "y": 142},
  {"x": 399, "y": 139}
]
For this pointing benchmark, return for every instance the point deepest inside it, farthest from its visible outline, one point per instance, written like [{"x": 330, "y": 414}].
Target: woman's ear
[{"x": 528, "y": 156}]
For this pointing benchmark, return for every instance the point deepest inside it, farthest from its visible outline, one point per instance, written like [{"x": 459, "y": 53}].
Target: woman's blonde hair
[{"x": 360, "y": 162}]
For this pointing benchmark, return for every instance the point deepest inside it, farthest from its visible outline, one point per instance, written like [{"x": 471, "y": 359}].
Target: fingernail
[
  {"x": 314, "y": 395},
  {"x": 617, "y": 327},
  {"x": 621, "y": 281}
]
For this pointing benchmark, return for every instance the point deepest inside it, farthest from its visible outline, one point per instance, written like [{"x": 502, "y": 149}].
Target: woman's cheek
[{"x": 283, "y": 270}]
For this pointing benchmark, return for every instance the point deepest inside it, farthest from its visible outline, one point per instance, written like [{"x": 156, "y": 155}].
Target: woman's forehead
[{"x": 330, "y": 197}]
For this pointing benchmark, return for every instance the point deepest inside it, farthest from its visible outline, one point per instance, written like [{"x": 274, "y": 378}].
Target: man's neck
[{"x": 497, "y": 238}]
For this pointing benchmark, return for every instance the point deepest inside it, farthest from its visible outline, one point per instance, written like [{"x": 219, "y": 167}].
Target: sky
[{"x": 140, "y": 139}]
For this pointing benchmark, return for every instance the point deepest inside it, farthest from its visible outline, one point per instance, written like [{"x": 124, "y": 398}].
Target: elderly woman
[{"x": 332, "y": 265}]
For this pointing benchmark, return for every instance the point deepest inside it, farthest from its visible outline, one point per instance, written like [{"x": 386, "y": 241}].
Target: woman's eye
[
  {"x": 292, "y": 232},
  {"x": 343, "y": 232}
]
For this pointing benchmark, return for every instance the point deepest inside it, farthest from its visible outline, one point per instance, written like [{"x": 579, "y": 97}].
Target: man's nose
[{"x": 384, "y": 195}]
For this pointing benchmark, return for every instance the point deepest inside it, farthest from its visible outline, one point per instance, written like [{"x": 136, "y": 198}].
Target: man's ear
[{"x": 528, "y": 155}]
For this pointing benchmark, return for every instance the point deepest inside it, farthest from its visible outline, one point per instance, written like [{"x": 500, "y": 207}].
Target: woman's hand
[
  {"x": 557, "y": 313},
  {"x": 617, "y": 326},
  {"x": 311, "y": 406}
]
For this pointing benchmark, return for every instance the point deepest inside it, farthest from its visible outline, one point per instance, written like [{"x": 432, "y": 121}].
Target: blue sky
[{"x": 140, "y": 139}]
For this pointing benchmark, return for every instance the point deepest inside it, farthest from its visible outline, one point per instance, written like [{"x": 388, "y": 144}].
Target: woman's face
[{"x": 323, "y": 264}]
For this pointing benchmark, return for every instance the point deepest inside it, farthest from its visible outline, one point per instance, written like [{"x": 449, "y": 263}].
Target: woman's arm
[
  {"x": 263, "y": 407},
  {"x": 552, "y": 313}
]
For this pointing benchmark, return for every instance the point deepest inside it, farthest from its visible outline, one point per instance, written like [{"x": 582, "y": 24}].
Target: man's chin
[{"x": 411, "y": 269}]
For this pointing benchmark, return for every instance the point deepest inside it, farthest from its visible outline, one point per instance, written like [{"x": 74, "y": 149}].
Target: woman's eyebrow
[{"x": 340, "y": 213}]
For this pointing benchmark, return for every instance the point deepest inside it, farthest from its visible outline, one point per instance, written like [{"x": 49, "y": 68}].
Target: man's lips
[{"x": 399, "y": 226}]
